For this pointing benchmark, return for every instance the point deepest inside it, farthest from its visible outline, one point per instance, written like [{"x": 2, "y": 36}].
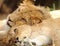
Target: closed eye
[
  {"x": 15, "y": 30},
  {"x": 23, "y": 19}
]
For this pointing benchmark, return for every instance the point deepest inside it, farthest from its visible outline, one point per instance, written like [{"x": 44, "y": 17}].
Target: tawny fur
[
  {"x": 31, "y": 21},
  {"x": 50, "y": 28},
  {"x": 28, "y": 13}
]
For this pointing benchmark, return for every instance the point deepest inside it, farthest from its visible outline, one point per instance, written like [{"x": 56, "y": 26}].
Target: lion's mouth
[{"x": 38, "y": 41}]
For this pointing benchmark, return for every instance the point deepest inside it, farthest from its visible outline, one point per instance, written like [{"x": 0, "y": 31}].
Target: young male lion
[
  {"x": 27, "y": 13},
  {"x": 48, "y": 29}
]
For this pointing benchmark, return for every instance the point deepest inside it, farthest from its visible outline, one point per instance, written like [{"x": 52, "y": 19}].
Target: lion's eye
[
  {"x": 15, "y": 30},
  {"x": 23, "y": 19}
]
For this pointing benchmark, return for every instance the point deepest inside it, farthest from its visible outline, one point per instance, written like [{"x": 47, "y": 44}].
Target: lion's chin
[
  {"x": 42, "y": 40},
  {"x": 38, "y": 41}
]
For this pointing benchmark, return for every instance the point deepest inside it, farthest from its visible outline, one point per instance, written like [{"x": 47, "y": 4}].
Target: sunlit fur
[
  {"x": 31, "y": 21},
  {"x": 28, "y": 13}
]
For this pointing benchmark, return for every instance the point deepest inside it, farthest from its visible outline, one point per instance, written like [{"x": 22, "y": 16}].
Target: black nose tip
[{"x": 17, "y": 40}]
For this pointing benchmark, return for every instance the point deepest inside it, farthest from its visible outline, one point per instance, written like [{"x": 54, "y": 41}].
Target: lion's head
[
  {"x": 31, "y": 35},
  {"x": 27, "y": 14}
]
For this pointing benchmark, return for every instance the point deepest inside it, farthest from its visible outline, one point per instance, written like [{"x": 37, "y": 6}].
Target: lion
[
  {"x": 49, "y": 29},
  {"x": 27, "y": 13},
  {"x": 31, "y": 22},
  {"x": 31, "y": 35}
]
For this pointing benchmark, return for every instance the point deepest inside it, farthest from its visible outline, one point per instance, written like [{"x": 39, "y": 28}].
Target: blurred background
[
  {"x": 53, "y": 4},
  {"x": 8, "y": 6}
]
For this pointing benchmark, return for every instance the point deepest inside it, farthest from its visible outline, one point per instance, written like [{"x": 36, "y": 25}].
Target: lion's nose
[{"x": 17, "y": 40}]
